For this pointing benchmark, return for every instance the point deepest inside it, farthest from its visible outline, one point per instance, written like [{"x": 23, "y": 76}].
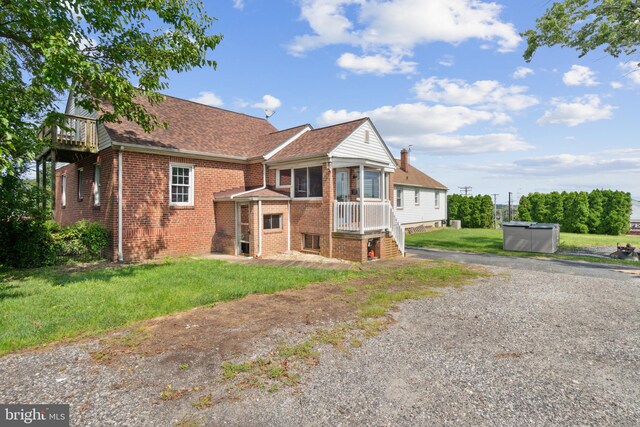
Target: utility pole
[
  {"x": 509, "y": 206},
  {"x": 495, "y": 211},
  {"x": 466, "y": 190}
]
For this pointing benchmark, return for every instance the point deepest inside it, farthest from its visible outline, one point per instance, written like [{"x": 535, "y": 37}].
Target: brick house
[{"x": 221, "y": 181}]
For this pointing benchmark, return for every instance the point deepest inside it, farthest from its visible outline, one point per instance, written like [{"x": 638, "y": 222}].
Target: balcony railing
[
  {"x": 78, "y": 134},
  {"x": 375, "y": 216}
]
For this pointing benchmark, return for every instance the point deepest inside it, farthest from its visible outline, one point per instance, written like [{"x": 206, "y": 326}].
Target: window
[
  {"x": 437, "y": 199},
  {"x": 416, "y": 197},
  {"x": 366, "y": 136},
  {"x": 181, "y": 185},
  {"x": 80, "y": 177},
  {"x": 399, "y": 198},
  {"x": 371, "y": 184},
  {"x": 311, "y": 242},
  {"x": 63, "y": 196},
  {"x": 308, "y": 182},
  {"x": 96, "y": 185},
  {"x": 283, "y": 178},
  {"x": 273, "y": 222}
]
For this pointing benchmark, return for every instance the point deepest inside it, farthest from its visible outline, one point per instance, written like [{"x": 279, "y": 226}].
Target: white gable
[{"x": 356, "y": 146}]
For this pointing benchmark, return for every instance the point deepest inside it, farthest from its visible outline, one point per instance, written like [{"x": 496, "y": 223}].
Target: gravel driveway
[{"x": 524, "y": 347}]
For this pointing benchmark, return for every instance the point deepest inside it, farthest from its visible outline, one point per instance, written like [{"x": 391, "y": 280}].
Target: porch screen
[
  {"x": 371, "y": 184},
  {"x": 308, "y": 182}
]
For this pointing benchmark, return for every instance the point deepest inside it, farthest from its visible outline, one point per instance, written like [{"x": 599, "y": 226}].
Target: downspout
[
  {"x": 259, "y": 228},
  {"x": 264, "y": 183},
  {"x": 289, "y": 226},
  {"x": 120, "y": 257}
]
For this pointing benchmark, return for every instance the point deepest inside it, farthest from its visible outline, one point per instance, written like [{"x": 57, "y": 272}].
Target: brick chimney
[{"x": 404, "y": 160}]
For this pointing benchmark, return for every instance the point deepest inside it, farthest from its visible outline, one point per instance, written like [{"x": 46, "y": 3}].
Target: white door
[{"x": 342, "y": 185}]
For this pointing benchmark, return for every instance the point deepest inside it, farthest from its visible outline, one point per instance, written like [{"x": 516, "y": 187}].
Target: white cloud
[
  {"x": 376, "y": 64},
  {"x": 238, "y": 4},
  {"x": 208, "y": 98},
  {"x": 430, "y": 127},
  {"x": 393, "y": 28},
  {"x": 631, "y": 71},
  {"x": 522, "y": 72},
  {"x": 471, "y": 144},
  {"x": 562, "y": 165},
  {"x": 616, "y": 85},
  {"x": 269, "y": 102},
  {"x": 447, "y": 61},
  {"x": 579, "y": 75},
  {"x": 485, "y": 94},
  {"x": 588, "y": 108}
]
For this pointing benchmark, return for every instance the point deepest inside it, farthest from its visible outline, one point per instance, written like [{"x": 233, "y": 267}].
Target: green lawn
[
  {"x": 490, "y": 241},
  {"x": 43, "y": 305}
]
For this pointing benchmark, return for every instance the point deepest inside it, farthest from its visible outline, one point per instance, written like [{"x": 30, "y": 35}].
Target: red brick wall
[
  {"x": 77, "y": 209},
  {"x": 275, "y": 241},
  {"x": 224, "y": 239},
  {"x": 350, "y": 247},
  {"x": 314, "y": 216},
  {"x": 151, "y": 227}
]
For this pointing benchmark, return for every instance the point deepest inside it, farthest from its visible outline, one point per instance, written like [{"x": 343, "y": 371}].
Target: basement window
[
  {"x": 273, "y": 222},
  {"x": 181, "y": 185},
  {"x": 311, "y": 242}
]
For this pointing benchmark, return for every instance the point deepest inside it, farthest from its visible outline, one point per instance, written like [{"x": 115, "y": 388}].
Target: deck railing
[
  {"x": 380, "y": 216},
  {"x": 79, "y": 133}
]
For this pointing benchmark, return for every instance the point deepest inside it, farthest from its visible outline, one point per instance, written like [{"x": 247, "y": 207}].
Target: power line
[{"x": 466, "y": 190}]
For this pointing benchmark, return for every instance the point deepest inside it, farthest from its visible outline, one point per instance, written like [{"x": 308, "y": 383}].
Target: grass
[
  {"x": 40, "y": 306},
  {"x": 490, "y": 241},
  {"x": 372, "y": 298}
]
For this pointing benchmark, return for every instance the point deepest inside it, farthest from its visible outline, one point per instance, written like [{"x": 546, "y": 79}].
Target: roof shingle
[
  {"x": 201, "y": 128},
  {"x": 415, "y": 176}
]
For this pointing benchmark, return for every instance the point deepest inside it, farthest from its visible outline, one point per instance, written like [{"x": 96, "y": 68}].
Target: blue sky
[{"x": 444, "y": 76}]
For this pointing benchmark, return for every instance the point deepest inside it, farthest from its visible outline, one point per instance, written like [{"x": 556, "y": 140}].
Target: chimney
[{"x": 404, "y": 160}]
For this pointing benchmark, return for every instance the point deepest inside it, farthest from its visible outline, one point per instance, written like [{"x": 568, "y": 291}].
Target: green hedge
[
  {"x": 474, "y": 212},
  {"x": 597, "y": 212}
]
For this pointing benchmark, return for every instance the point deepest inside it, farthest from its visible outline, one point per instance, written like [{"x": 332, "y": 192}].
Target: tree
[
  {"x": 586, "y": 25},
  {"x": 555, "y": 214},
  {"x": 524, "y": 209},
  {"x": 596, "y": 209},
  {"x": 115, "y": 55}
]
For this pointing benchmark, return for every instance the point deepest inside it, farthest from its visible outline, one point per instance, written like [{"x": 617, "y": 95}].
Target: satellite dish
[{"x": 268, "y": 113}]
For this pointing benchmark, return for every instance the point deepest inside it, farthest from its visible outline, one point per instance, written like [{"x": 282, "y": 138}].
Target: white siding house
[{"x": 419, "y": 199}]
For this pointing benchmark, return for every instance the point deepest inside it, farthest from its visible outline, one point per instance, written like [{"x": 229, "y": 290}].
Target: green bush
[
  {"x": 474, "y": 211},
  {"x": 84, "y": 238},
  {"x": 598, "y": 212}
]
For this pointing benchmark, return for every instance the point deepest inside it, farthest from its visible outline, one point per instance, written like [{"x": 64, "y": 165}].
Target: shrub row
[
  {"x": 597, "y": 212},
  {"x": 30, "y": 242},
  {"x": 474, "y": 212}
]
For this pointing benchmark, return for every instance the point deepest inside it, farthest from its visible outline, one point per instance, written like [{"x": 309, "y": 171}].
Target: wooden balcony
[{"x": 77, "y": 138}]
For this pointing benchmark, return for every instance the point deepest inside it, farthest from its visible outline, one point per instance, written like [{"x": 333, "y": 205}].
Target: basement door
[{"x": 244, "y": 231}]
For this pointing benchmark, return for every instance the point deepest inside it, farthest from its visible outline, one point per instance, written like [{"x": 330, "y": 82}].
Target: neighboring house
[
  {"x": 220, "y": 181},
  {"x": 419, "y": 199},
  {"x": 635, "y": 217}
]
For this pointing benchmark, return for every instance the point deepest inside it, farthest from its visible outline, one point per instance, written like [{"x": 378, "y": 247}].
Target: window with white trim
[
  {"x": 80, "y": 176},
  {"x": 416, "y": 197},
  {"x": 63, "y": 191},
  {"x": 181, "y": 185},
  {"x": 307, "y": 182},
  {"x": 437, "y": 200},
  {"x": 399, "y": 194},
  {"x": 96, "y": 184},
  {"x": 272, "y": 222},
  {"x": 283, "y": 178}
]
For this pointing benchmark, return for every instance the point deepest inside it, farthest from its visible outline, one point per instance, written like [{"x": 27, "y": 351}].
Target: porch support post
[
  {"x": 361, "y": 194},
  {"x": 38, "y": 172},
  {"x": 44, "y": 184},
  {"x": 53, "y": 179}
]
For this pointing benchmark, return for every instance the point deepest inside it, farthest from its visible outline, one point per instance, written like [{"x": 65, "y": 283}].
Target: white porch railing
[{"x": 376, "y": 216}]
